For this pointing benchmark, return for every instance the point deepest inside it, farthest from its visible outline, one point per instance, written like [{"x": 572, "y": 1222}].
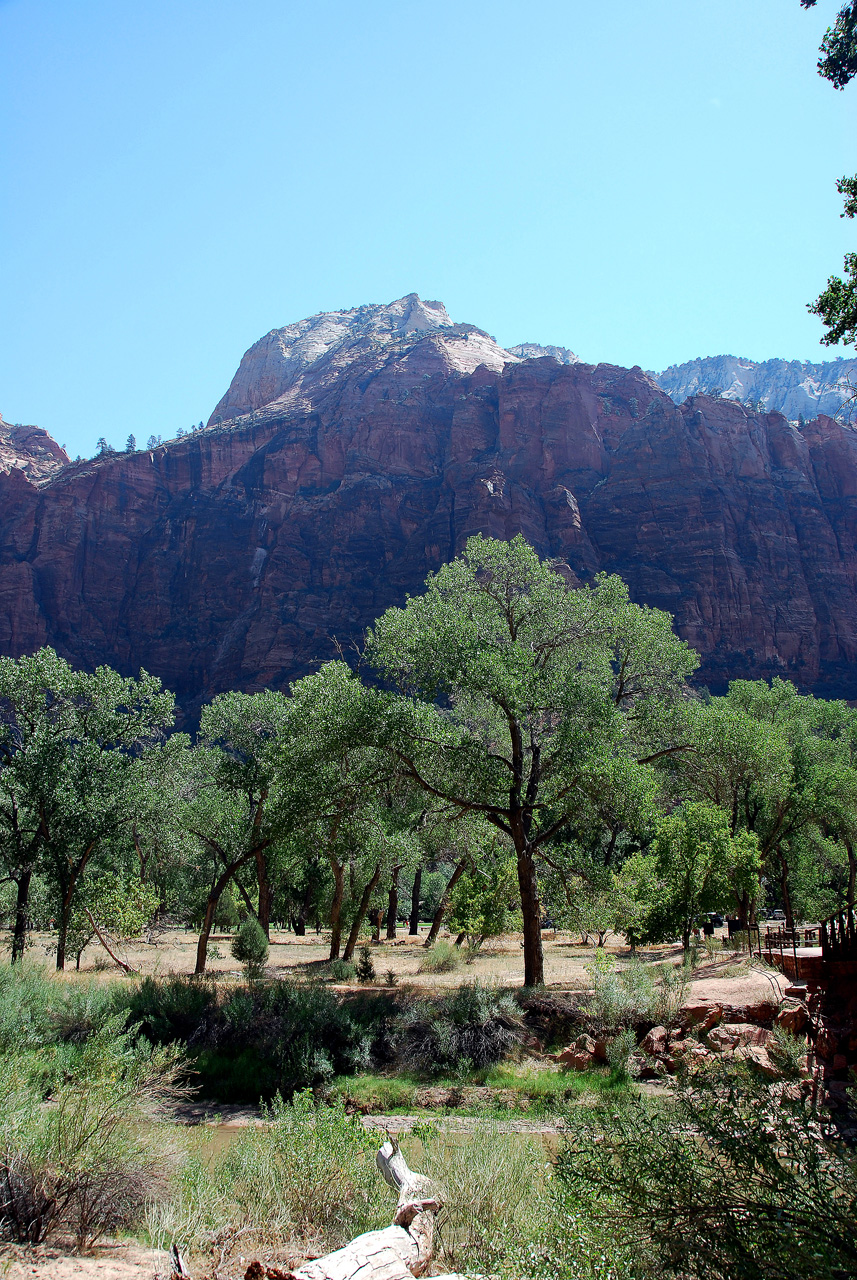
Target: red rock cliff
[{"x": 229, "y": 558}]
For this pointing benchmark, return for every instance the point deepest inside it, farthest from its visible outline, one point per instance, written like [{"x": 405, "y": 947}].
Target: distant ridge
[{"x": 795, "y": 388}]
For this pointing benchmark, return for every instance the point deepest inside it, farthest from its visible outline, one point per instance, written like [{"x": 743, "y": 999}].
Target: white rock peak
[{"x": 285, "y": 366}]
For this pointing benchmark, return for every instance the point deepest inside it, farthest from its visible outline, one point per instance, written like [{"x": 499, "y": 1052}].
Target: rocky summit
[{"x": 356, "y": 451}]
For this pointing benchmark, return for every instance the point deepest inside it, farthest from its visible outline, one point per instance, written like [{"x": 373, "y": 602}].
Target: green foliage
[
  {"x": 485, "y": 903},
  {"x": 517, "y": 694},
  {"x": 250, "y": 948},
  {"x": 310, "y": 1173},
  {"x": 442, "y": 957},
  {"x": 342, "y": 970},
  {"x": 635, "y": 993},
  {"x": 493, "y": 1188},
  {"x": 696, "y": 867},
  {"x": 724, "y": 1180},
  {"x": 168, "y": 1009},
  {"x": 788, "y": 1052},
  {"x": 86, "y": 1164},
  {"x": 473, "y": 1026},
  {"x": 619, "y": 1050},
  {"x": 365, "y": 969}
]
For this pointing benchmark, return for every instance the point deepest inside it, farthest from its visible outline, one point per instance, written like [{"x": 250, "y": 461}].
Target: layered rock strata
[{"x": 231, "y": 558}]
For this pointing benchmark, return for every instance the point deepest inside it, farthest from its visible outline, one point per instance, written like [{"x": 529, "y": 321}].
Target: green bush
[
  {"x": 342, "y": 971},
  {"x": 723, "y": 1181},
  {"x": 88, "y": 1163},
  {"x": 619, "y": 1051},
  {"x": 309, "y": 1172},
  {"x": 493, "y": 1188},
  {"x": 443, "y": 957},
  {"x": 167, "y": 1009},
  {"x": 788, "y": 1052},
  {"x": 281, "y": 1037},
  {"x": 636, "y": 993},
  {"x": 472, "y": 1027},
  {"x": 365, "y": 969},
  {"x": 250, "y": 948}
]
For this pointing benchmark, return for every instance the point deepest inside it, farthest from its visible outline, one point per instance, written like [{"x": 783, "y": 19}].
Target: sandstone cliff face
[
  {"x": 231, "y": 557},
  {"x": 29, "y": 450},
  {"x": 794, "y": 388}
]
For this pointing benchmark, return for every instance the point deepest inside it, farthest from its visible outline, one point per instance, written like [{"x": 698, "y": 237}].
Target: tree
[
  {"x": 837, "y": 305},
  {"x": 837, "y": 60},
  {"x": 239, "y": 806},
  {"x": 513, "y": 689},
  {"x": 131, "y": 445},
  {"x": 696, "y": 866},
  {"x": 484, "y": 902},
  {"x": 343, "y": 786},
  {"x": 68, "y": 740},
  {"x": 103, "y": 447}
]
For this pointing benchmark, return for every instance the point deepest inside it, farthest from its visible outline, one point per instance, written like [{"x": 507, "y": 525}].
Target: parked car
[{"x": 779, "y": 914}]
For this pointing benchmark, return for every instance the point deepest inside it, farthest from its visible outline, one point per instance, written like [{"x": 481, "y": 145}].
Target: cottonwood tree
[
  {"x": 513, "y": 689},
  {"x": 781, "y": 765},
  {"x": 345, "y": 790},
  {"x": 240, "y": 802},
  {"x": 68, "y": 741},
  {"x": 696, "y": 866}
]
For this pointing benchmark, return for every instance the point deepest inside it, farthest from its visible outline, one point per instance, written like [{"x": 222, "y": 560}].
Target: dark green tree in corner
[{"x": 837, "y": 62}]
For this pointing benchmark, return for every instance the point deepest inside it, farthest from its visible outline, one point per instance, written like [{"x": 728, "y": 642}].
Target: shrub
[
  {"x": 365, "y": 969},
  {"x": 443, "y": 957},
  {"x": 309, "y": 1172},
  {"x": 250, "y": 948},
  {"x": 788, "y": 1052},
  {"x": 636, "y": 993},
  {"x": 619, "y": 1051},
  {"x": 87, "y": 1163},
  {"x": 723, "y": 1180},
  {"x": 280, "y": 1037},
  {"x": 342, "y": 971},
  {"x": 713, "y": 946},
  {"x": 472, "y": 1027},
  {"x": 493, "y": 1190},
  {"x": 167, "y": 1009}
]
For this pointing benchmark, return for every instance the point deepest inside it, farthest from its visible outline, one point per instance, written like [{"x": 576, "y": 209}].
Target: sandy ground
[
  {"x": 106, "y": 1262},
  {"x": 500, "y": 961}
]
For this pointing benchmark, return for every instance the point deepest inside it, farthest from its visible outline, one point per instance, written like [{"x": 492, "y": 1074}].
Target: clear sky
[{"x": 641, "y": 182}]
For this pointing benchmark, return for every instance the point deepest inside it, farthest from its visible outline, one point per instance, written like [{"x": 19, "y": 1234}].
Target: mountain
[
  {"x": 795, "y": 388},
  {"x": 356, "y": 451}
]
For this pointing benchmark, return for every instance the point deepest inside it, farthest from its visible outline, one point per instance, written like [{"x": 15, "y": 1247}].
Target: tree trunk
[
  {"x": 534, "y": 963},
  {"x": 22, "y": 904},
  {"x": 211, "y": 906},
  {"x": 336, "y": 908},
  {"x": 375, "y": 921},
  {"x": 266, "y": 894},
  {"x": 786, "y": 892},
  {"x": 437, "y": 920},
  {"x": 368, "y": 890},
  {"x": 852, "y": 873},
  {"x": 397, "y": 1252},
  {"x": 65, "y": 919},
  {"x": 414, "y": 922},
  {"x": 393, "y": 903}
]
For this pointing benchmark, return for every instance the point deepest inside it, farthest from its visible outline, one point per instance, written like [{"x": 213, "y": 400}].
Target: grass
[{"x": 534, "y": 1089}]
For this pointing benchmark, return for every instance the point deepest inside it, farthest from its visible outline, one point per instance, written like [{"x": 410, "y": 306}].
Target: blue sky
[{"x": 643, "y": 183}]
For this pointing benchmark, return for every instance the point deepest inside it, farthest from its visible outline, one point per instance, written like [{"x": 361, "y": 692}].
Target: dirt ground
[
  {"x": 499, "y": 962},
  {"x": 111, "y": 1261}
]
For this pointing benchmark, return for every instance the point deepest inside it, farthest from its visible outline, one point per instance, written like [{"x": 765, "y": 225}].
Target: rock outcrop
[
  {"x": 794, "y": 388},
  {"x": 357, "y": 452}
]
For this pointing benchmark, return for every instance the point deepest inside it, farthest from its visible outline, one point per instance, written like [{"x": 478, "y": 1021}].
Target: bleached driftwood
[{"x": 400, "y": 1251}]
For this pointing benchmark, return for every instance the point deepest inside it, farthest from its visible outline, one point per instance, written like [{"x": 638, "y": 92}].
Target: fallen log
[{"x": 398, "y": 1252}]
